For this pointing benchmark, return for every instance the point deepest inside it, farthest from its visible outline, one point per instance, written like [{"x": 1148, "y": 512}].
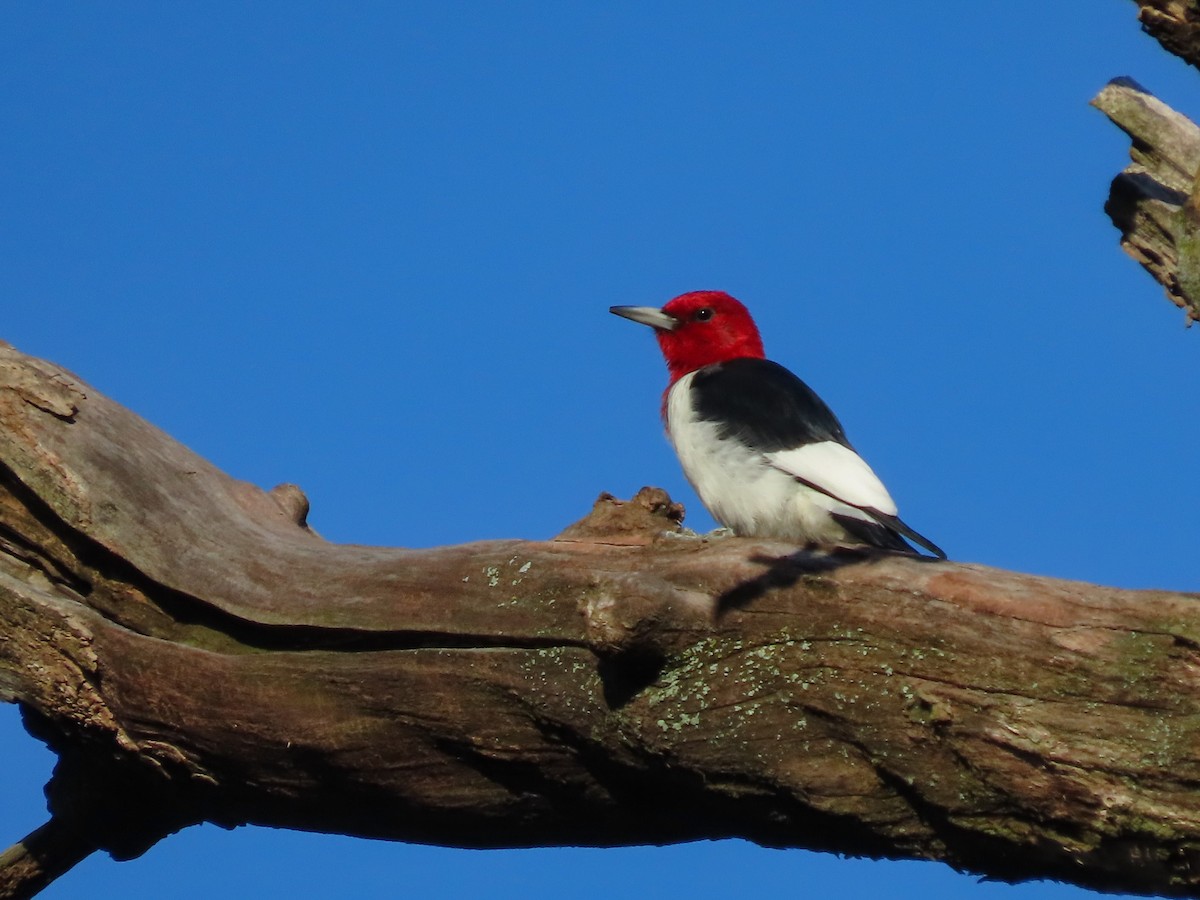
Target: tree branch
[
  {"x": 194, "y": 653},
  {"x": 28, "y": 866},
  {"x": 1175, "y": 24},
  {"x": 1154, "y": 201}
]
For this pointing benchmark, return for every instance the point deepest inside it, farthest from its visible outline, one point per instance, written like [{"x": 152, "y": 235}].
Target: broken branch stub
[{"x": 1152, "y": 201}]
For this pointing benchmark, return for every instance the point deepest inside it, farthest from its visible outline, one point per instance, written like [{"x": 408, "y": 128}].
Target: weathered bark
[
  {"x": 28, "y": 866},
  {"x": 194, "y": 653},
  {"x": 1175, "y": 24},
  {"x": 1154, "y": 201}
]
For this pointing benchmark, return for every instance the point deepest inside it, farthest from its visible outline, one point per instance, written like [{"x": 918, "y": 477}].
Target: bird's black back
[{"x": 763, "y": 405}]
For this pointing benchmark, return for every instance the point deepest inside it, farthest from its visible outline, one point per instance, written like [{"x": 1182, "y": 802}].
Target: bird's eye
[{"x": 703, "y": 315}]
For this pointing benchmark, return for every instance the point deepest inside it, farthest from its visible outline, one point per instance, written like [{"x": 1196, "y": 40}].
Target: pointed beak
[{"x": 647, "y": 315}]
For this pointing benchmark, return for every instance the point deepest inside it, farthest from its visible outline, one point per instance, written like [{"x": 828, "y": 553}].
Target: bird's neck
[
  {"x": 686, "y": 352},
  {"x": 681, "y": 367}
]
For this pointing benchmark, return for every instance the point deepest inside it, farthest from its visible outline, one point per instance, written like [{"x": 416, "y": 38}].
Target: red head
[{"x": 698, "y": 329}]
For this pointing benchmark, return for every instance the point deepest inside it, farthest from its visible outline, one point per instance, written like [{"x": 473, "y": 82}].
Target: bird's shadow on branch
[{"x": 783, "y": 572}]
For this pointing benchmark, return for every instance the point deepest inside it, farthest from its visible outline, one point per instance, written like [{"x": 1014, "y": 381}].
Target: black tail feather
[
  {"x": 887, "y": 533},
  {"x": 894, "y": 523}
]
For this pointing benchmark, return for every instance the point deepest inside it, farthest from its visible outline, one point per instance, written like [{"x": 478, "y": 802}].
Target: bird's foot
[
  {"x": 686, "y": 534},
  {"x": 682, "y": 534}
]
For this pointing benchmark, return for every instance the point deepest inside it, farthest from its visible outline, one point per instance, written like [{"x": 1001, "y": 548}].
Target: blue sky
[{"x": 369, "y": 248}]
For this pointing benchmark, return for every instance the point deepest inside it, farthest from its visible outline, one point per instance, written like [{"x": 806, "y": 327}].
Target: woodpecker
[{"x": 766, "y": 455}]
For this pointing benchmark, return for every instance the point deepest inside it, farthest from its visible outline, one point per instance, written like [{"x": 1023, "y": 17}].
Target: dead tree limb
[
  {"x": 1175, "y": 24},
  {"x": 1154, "y": 201},
  {"x": 192, "y": 652}
]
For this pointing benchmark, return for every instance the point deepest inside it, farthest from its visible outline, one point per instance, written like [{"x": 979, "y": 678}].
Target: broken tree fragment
[
  {"x": 1175, "y": 24},
  {"x": 1154, "y": 200},
  {"x": 193, "y": 653}
]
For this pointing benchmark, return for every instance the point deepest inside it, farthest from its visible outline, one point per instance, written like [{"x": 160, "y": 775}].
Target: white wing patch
[{"x": 836, "y": 470}]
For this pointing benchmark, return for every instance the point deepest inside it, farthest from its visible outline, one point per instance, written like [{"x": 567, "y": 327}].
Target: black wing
[{"x": 763, "y": 405}]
